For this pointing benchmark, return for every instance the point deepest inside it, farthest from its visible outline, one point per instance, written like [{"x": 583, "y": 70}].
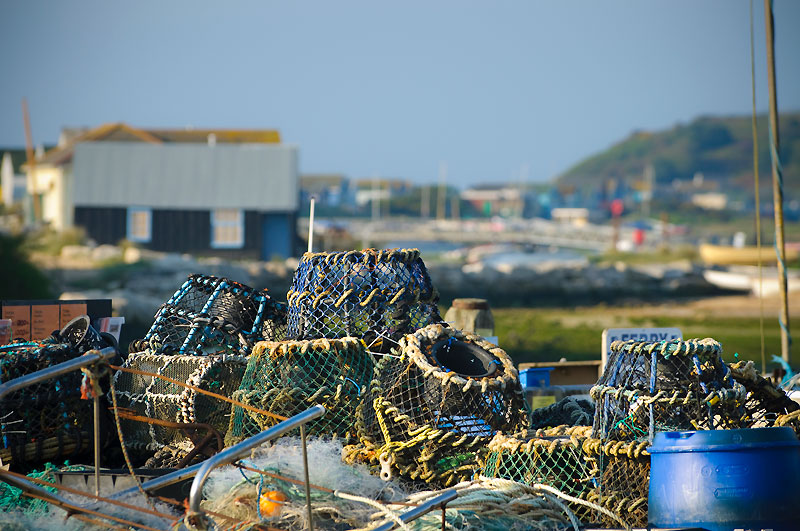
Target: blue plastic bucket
[
  {"x": 723, "y": 480},
  {"x": 538, "y": 377}
]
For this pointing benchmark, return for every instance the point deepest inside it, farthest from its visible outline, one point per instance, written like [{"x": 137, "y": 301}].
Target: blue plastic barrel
[
  {"x": 535, "y": 377},
  {"x": 723, "y": 480}
]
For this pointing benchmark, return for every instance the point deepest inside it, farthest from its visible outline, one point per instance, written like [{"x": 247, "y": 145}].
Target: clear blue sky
[{"x": 392, "y": 88}]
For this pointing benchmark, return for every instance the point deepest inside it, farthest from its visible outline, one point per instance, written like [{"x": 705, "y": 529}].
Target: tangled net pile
[
  {"x": 210, "y": 315},
  {"x": 47, "y": 420},
  {"x": 377, "y": 296},
  {"x": 430, "y": 412},
  {"x": 289, "y": 377},
  {"x": 347, "y": 497}
]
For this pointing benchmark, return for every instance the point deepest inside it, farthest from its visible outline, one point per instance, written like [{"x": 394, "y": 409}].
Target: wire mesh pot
[
  {"x": 287, "y": 377},
  {"x": 158, "y": 398},
  {"x": 44, "y": 421},
  {"x": 378, "y": 296},
  {"x": 665, "y": 386},
  {"x": 431, "y": 411},
  {"x": 211, "y": 315}
]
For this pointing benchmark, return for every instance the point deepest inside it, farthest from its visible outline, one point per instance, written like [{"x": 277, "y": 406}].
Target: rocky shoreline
[{"x": 138, "y": 281}]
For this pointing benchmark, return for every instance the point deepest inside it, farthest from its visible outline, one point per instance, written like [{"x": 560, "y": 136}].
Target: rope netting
[
  {"x": 431, "y": 410},
  {"x": 666, "y": 386},
  {"x": 43, "y": 421},
  {"x": 288, "y": 377},
  {"x": 157, "y": 397},
  {"x": 614, "y": 475},
  {"x": 211, "y": 315},
  {"x": 374, "y": 295}
]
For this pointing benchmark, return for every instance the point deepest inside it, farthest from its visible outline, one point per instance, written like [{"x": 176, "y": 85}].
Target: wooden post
[{"x": 777, "y": 183}]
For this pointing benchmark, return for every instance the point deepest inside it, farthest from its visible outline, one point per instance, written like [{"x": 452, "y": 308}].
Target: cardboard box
[{"x": 34, "y": 320}]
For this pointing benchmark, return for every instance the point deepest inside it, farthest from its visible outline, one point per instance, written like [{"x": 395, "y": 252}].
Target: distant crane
[{"x": 31, "y": 158}]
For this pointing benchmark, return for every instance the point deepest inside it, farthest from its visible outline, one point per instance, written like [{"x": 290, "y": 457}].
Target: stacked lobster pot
[
  {"x": 375, "y": 295},
  {"x": 284, "y": 378},
  {"x": 343, "y": 307},
  {"x": 51, "y": 420},
  {"x": 201, "y": 337},
  {"x": 654, "y": 387},
  {"x": 666, "y": 386},
  {"x": 434, "y": 405}
]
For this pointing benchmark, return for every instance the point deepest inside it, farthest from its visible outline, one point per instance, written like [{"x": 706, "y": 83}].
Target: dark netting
[
  {"x": 765, "y": 402},
  {"x": 210, "y": 315},
  {"x": 665, "y": 386},
  {"x": 373, "y": 295},
  {"x": 158, "y": 398},
  {"x": 431, "y": 410},
  {"x": 286, "y": 378},
  {"x": 614, "y": 475},
  {"x": 44, "y": 421},
  {"x": 569, "y": 411}
]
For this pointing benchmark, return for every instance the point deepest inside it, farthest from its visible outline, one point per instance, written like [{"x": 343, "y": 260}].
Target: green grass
[{"x": 543, "y": 334}]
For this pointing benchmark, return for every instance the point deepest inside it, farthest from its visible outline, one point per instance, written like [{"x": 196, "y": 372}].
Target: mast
[
  {"x": 777, "y": 183},
  {"x": 31, "y": 159}
]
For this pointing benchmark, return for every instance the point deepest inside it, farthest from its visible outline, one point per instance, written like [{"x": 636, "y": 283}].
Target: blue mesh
[
  {"x": 371, "y": 294},
  {"x": 210, "y": 315}
]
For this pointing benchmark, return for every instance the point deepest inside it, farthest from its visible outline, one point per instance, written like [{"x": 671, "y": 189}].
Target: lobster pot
[
  {"x": 665, "y": 386},
  {"x": 621, "y": 479},
  {"x": 46, "y": 421},
  {"x": 553, "y": 457},
  {"x": 431, "y": 411},
  {"x": 285, "y": 378},
  {"x": 210, "y": 315},
  {"x": 158, "y": 398},
  {"x": 373, "y": 295}
]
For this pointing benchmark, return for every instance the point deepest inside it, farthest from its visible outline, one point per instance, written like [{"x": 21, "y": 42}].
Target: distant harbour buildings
[{"x": 215, "y": 191}]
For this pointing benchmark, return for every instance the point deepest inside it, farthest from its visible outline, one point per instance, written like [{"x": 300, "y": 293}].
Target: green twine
[{"x": 12, "y": 498}]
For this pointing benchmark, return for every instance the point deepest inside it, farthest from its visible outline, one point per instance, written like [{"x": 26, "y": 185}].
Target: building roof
[
  {"x": 120, "y": 132},
  {"x": 321, "y": 180}
]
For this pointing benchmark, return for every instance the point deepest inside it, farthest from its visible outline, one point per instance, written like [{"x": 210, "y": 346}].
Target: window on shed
[
  {"x": 140, "y": 227},
  {"x": 227, "y": 228}
]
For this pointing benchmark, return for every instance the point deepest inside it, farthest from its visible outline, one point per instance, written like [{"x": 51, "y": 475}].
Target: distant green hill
[{"x": 719, "y": 147}]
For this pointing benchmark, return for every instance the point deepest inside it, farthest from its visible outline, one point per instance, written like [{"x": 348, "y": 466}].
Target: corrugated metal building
[{"x": 222, "y": 192}]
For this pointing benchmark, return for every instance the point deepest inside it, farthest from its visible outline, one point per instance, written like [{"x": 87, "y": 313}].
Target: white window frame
[
  {"x": 230, "y": 222},
  {"x": 141, "y": 236}
]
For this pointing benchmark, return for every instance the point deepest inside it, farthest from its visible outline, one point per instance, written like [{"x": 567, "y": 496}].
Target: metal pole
[
  {"x": 96, "y": 444},
  {"x": 439, "y": 501},
  {"x": 311, "y": 227},
  {"x": 777, "y": 183},
  {"x": 229, "y": 455},
  {"x": 307, "y": 485},
  {"x": 90, "y": 358}
]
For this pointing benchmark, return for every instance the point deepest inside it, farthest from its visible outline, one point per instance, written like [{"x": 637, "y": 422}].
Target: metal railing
[
  {"x": 229, "y": 455},
  {"x": 92, "y": 357},
  {"x": 422, "y": 509},
  {"x": 202, "y": 470}
]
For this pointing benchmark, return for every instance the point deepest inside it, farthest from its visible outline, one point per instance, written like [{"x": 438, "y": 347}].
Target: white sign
[{"x": 637, "y": 334}]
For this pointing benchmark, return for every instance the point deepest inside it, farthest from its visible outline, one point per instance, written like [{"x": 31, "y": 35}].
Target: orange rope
[{"x": 201, "y": 391}]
